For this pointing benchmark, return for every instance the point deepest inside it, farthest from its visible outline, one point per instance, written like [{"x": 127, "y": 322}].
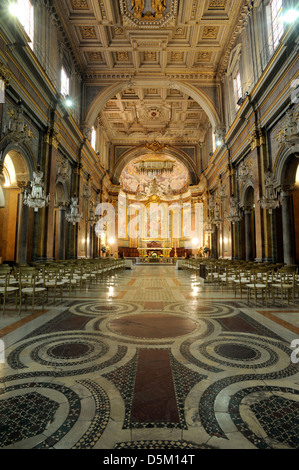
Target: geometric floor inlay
[
  {"x": 143, "y": 360},
  {"x": 279, "y": 417},
  {"x": 152, "y": 325},
  {"x": 25, "y": 416}
]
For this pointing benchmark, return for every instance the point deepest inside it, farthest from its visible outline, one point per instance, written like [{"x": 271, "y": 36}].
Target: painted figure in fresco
[
  {"x": 159, "y": 6},
  {"x": 138, "y": 6}
]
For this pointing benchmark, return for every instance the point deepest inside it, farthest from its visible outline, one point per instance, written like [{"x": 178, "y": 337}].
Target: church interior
[{"x": 149, "y": 224}]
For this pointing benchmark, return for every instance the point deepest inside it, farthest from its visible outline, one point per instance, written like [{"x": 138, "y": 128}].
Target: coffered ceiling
[
  {"x": 187, "y": 40},
  {"x": 155, "y": 113}
]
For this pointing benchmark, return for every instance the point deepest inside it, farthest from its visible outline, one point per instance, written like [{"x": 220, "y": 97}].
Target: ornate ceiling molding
[{"x": 146, "y": 14}]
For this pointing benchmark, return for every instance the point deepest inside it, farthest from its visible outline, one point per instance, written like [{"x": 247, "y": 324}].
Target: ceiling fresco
[{"x": 145, "y": 184}]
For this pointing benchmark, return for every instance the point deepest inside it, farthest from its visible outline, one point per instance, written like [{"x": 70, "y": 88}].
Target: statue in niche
[
  {"x": 159, "y": 6},
  {"x": 154, "y": 188},
  {"x": 138, "y": 6}
]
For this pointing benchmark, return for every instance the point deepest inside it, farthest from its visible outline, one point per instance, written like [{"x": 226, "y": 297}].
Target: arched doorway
[
  {"x": 295, "y": 196},
  {"x": 16, "y": 231},
  {"x": 287, "y": 218}
]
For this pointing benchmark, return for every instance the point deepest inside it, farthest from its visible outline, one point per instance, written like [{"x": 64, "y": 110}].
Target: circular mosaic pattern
[
  {"x": 152, "y": 326},
  {"x": 70, "y": 350},
  {"x": 103, "y": 308},
  {"x": 210, "y": 310},
  {"x": 237, "y": 351},
  {"x": 245, "y": 353}
]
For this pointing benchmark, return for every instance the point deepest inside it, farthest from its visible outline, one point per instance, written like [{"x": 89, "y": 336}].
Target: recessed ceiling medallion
[{"x": 148, "y": 13}]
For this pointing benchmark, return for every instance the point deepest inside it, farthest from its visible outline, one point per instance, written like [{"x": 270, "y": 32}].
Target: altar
[{"x": 154, "y": 250}]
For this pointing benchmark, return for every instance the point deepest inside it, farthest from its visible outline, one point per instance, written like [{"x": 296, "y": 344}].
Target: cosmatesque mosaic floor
[{"x": 150, "y": 358}]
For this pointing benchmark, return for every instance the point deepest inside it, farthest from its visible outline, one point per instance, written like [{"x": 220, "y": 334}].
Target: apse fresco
[{"x": 175, "y": 182}]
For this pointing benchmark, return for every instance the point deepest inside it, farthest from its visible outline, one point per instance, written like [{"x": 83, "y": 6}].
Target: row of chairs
[
  {"x": 259, "y": 280},
  {"x": 40, "y": 282}
]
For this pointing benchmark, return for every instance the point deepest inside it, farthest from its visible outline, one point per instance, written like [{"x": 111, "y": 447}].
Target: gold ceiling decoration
[
  {"x": 148, "y": 13},
  {"x": 157, "y": 5},
  {"x": 155, "y": 146}
]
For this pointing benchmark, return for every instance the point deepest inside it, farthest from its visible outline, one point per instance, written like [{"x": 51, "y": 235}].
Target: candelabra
[
  {"x": 217, "y": 219},
  {"x": 209, "y": 226},
  {"x": 234, "y": 213},
  {"x": 73, "y": 216},
  {"x": 269, "y": 201},
  {"x": 36, "y": 197},
  {"x": 92, "y": 218}
]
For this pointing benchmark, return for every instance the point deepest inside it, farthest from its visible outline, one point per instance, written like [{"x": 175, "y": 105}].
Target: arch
[
  {"x": 62, "y": 192},
  {"x": 16, "y": 239},
  {"x": 285, "y": 166},
  {"x": 179, "y": 155},
  {"x": 198, "y": 95},
  {"x": 245, "y": 194},
  {"x": 22, "y": 159},
  {"x": 287, "y": 226}
]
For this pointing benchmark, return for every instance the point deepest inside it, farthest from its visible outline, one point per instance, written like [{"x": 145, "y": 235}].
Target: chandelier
[
  {"x": 92, "y": 218},
  {"x": 17, "y": 130},
  {"x": 217, "y": 219},
  {"x": 36, "y": 197},
  {"x": 153, "y": 168},
  {"x": 209, "y": 226},
  {"x": 269, "y": 201},
  {"x": 234, "y": 213},
  {"x": 73, "y": 216}
]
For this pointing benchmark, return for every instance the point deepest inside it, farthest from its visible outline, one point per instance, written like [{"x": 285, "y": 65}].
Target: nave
[{"x": 149, "y": 358}]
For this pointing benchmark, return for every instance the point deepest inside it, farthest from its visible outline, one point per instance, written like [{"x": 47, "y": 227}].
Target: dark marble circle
[
  {"x": 237, "y": 351},
  {"x": 152, "y": 326},
  {"x": 69, "y": 350}
]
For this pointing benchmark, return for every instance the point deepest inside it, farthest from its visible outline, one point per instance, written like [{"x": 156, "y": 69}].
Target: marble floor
[{"x": 150, "y": 358}]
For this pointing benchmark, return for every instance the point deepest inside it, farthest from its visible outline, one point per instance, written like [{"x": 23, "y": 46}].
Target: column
[
  {"x": 61, "y": 231},
  {"x": 287, "y": 229},
  {"x": 248, "y": 235},
  {"x": 74, "y": 229},
  {"x": 46, "y": 218},
  {"x": 5, "y": 77},
  {"x": 22, "y": 234}
]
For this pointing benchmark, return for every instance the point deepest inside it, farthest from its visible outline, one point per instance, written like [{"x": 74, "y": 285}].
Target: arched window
[
  {"x": 65, "y": 83},
  {"x": 24, "y": 11},
  {"x": 275, "y": 23},
  {"x": 93, "y": 138}
]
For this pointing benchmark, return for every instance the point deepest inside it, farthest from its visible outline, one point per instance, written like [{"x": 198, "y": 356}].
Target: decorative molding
[
  {"x": 52, "y": 137},
  {"x": 79, "y": 4},
  {"x": 257, "y": 138},
  {"x": 155, "y": 146},
  {"x": 162, "y": 13},
  {"x": 217, "y": 4},
  {"x": 289, "y": 132},
  {"x": 5, "y": 73}
]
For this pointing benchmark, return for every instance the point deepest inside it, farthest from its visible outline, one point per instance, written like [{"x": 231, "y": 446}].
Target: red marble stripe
[{"x": 154, "y": 394}]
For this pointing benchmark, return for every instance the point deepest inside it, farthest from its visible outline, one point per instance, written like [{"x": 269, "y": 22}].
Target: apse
[{"x": 156, "y": 174}]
